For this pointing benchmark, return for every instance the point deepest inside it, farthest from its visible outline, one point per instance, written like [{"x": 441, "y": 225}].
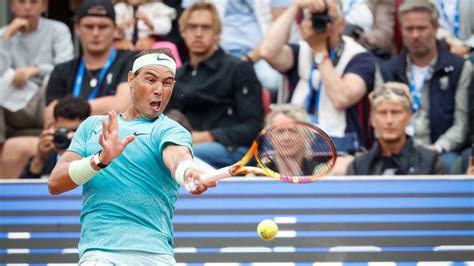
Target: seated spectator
[
  {"x": 328, "y": 74},
  {"x": 371, "y": 23},
  {"x": 53, "y": 142},
  {"x": 30, "y": 45},
  {"x": 438, "y": 81},
  {"x": 100, "y": 74},
  {"x": 394, "y": 153},
  {"x": 457, "y": 26},
  {"x": 244, "y": 25},
  {"x": 140, "y": 22},
  {"x": 218, "y": 93}
]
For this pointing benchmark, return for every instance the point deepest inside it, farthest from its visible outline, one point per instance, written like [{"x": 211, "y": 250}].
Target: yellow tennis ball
[{"x": 267, "y": 229}]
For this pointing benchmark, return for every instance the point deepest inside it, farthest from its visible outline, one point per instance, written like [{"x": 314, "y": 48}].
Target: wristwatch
[
  {"x": 97, "y": 161},
  {"x": 320, "y": 57}
]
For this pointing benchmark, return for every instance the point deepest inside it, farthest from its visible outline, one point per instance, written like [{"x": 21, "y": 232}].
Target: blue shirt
[{"x": 129, "y": 205}]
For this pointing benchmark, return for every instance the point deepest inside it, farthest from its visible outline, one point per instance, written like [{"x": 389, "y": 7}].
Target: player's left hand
[
  {"x": 112, "y": 145},
  {"x": 193, "y": 175}
]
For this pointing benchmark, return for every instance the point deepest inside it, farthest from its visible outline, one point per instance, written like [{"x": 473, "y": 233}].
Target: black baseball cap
[{"x": 96, "y": 8}]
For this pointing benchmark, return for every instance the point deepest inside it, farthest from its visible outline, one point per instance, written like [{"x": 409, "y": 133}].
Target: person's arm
[
  {"x": 45, "y": 146},
  {"x": 381, "y": 36},
  {"x": 455, "y": 136},
  {"x": 274, "y": 48},
  {"x": 15, "y": 26},
  {"x": 343, "y": 91},
  {"x": 179, "y": 161},
  {"x": 63, "y": 49},
  {"x": 73, "y": 170},
  {"x": 119, "y": 101}
]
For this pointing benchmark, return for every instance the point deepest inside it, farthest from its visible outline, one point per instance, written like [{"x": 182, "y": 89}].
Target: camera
[
  {"x": 321, "y": 20},
  {"x": 61, "y": 139}
]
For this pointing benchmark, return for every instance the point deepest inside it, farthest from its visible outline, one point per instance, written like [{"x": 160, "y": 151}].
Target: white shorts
[{"x": 96, "y": 257}]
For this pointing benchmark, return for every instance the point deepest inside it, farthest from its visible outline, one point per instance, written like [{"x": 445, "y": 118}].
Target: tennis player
[{"x": 130, "y": 166}]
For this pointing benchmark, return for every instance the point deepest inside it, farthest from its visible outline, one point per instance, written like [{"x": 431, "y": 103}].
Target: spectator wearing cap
[
  {"x": 30, "y": 45},
  {"x": 100, "y": 74},
  {"x": 394, "y": 153},
  {"x": 438, "y": 81}
]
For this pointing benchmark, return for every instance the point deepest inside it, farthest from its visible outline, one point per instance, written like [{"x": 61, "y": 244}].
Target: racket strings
[{"x": 296, "y": 151}]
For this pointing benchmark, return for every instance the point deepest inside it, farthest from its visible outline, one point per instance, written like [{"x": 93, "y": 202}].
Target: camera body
[
  {"x": 61, "y": 139},
  {"x": 321, "y": 20}
]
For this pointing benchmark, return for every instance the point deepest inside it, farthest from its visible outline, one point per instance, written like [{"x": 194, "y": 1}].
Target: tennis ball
[{"x": 267, "y": 229}]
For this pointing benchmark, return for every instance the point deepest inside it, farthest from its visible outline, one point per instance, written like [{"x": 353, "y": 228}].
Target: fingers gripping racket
[{"x": 293, "y": 152}]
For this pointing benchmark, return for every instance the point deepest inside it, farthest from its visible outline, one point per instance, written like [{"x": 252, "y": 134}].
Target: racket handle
[{"x": 210, "y": 177}]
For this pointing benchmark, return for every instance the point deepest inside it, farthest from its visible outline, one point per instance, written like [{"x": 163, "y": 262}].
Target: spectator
[
  {"x": 328, "y": 74},
  {"x": 219, "y": 94},
  {"x": 53, "y": 142},
  {"x": 438, "y": 80},
  {"x": 100, "y": 74},
  {"x": 457, "y": 26},
  {"x": 245, "y": 24},
  {"x": 394, "y": 153},
  {"x": 141, "y": 21},
  {"x": 31, "y": 46},
  {"x": 371, "y": 23}
]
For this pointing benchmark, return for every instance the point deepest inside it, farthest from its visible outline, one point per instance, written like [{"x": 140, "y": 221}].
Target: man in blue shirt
[{"x": 130, "y": 166}]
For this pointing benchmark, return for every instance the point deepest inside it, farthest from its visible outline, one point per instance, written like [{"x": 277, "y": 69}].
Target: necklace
[{"x": 92, "y": 77}]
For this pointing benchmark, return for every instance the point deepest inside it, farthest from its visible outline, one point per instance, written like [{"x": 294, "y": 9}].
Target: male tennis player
[{"x": 125, "y": 163}]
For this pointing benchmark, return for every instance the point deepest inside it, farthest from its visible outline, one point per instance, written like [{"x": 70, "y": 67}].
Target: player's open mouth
[{"x": 155, "y": 105}]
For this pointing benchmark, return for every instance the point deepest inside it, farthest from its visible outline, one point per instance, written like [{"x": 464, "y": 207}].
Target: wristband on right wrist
[{"x": 182, "y": 168}]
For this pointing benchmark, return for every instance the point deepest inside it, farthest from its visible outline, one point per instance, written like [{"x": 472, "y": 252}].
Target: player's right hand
[{"x": 193, "y": 180}]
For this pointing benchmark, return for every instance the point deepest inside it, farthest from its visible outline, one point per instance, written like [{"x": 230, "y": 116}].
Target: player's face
[
  {"x": 151, "y": 90},
  {"x": 389, "y": 120},
  {"x": 96, "y": 34},
  {"x": 419, "y": 34},
  {"x": 30, "y": 10},
  {"x": 199, "y": 34}
]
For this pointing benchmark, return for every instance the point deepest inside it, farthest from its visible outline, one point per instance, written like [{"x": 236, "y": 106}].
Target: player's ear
[{"x": 130, "y": 78}]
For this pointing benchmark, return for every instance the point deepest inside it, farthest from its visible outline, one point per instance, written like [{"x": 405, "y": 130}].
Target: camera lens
[{"x": 61, "y": 140}]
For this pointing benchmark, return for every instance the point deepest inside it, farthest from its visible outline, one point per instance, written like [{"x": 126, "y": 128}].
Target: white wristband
[
  {"x": 81, "y": 171},
  {"x": 182, "y": 168}
]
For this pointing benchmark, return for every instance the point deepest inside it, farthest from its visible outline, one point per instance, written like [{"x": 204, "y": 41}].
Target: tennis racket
[{"x": 293, "y": 152}]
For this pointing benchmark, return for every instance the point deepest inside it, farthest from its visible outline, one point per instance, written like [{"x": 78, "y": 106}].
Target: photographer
[
  {"x": 53, "y": 142},
  {"x": 328, "y": 73}
]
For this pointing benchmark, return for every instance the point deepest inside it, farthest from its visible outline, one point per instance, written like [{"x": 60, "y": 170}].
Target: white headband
[{"x": 154, "y": 60}]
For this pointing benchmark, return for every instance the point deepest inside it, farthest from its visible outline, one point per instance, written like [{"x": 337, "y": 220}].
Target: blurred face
[
  {"x": 389, "y": 120},
  {"x": 71, "y": 125},
  {"x": 199, "y": 34},
  {"x": 30, "y": 10},
  {"x": 151, "y": 90},
  {"x": 287, "y": 136},
  {"x": 419, "y": 34},
  {"x": 96, "y": 34}
]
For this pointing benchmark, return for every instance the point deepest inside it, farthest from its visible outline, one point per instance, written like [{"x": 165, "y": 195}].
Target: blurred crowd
[{"x": 391, "y": 81}]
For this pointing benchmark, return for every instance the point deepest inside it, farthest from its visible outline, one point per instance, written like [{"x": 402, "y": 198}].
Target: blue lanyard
[
  {"x": 80, "y": 76},
  {"x": 349, "y": 7},
  {"x": 312, "y": 95},
  {"x": 455, "y": 25},
  {"x": 416, "y": 92}
]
